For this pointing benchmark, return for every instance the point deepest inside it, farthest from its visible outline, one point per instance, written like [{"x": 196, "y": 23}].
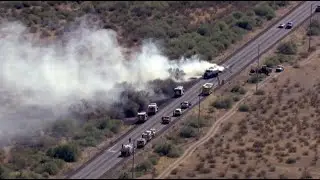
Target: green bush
[
  {"x": 238, "y": 89},
  {"x": 237, "y": 15},
  {"x": 66, "y": 152},
  {"x": 259, "y": 92},
  {"x": 244, "y": 108},
  {"x": 256, "y": 78},
  {"x": 194, "y": 122},
  {"x": 167, "y": 149},
  {"x": 49, "y": 167},
  {"x": 265, "y": 11},
  {"x": 124, "y": 175},
  {"x": 4, "y": 172},
  {"x": 144, "y": 166},
  {"x": 314, "y": 28},
  {"x": 223, "y": 103},
  {"x": 63, "y": 128},
  {"x": 154, "y": 159},
  {"x": 287, "y": 48},
  {"x": 188, "y": 132}
]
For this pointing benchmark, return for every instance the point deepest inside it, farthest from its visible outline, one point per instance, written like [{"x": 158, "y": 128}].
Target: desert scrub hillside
[{"x": 184, "y": 27}]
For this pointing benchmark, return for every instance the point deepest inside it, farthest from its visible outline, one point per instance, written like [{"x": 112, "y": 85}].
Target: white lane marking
[{"x": 113, "y": 151}]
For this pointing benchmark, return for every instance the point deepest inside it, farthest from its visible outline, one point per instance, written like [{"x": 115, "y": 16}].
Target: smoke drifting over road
[{"x": 39, "y": 82}]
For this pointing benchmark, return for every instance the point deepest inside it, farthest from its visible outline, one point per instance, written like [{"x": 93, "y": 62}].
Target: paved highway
[{"x": 110, "y": 157}]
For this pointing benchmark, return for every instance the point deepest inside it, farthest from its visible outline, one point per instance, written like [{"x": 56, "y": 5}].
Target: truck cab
[
  {"x": 141, "y": 142},
  {"x": 178, "y": 91},
  {"x": 177, "y": 112},
  {"x": 152, "y": 108},
  {"x": 147, "y": 135},
  {"x": 207, "y": 89},
  {"x": 126, "y": 150},
  {"x": 210, "y": 73},
  {"x": 166, "y": 119},
  {"x": 142, "y": 117}
]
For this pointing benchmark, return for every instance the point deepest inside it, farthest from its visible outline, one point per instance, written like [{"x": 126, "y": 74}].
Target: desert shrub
[
  {"x": 272, "y": 61},
  {"x": 4, "y": 172},
  {"x": 154, "y": 159},
  {"x": 194, "y": 122},
  {"x": 124, "y": 175},
  {"x": 244, "y": 108},
  {"x": 236, "y": 98},
  {"x": 238, "y": 89},
  {"x": 288, "y": 48},
  {"x": 62, "y": 128},
  {"x": 259, "y": 92},
  {"x": 223, "y": 103},
  {"x": 205, "y": 170},
  {"x": 66, "y": 152},
  {"x": 256, "y": 78},
  {"x": 168, "y": 149},
  {"x": 265, "y": 11},
  {"x": 113, "y": 125},
  {"x": 246, "y": 23},
  {"x": 188, "y": 132},
  {"x": 291, "y": 161},
  {"x": 314, "y": 28},
  {"x": 50, "y": 167},
  {"x": 144, "y": 166}
]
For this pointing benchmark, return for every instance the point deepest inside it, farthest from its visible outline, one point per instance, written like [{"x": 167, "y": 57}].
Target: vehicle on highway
[
  {"x": 317, "y": 9},
  {"x": 165, "y": 119},
  {"x": 289, "y": 25},
  {"x": 279, "y": 68},
  {"x": 178, "y": 91},
  {"x": 141, "y": 142},
  {"x": 185, "y": 104},
  {"x": 282, "y": 25},
  {"x": 108, "y": 159},
  {"x": 142, "y": 117},
  {"x": 177, "y": 112},
  {"x": 127, "y": 149},
  {"x": 206, "y": 89},
  {"x": 152, "y": 108},
  {"x": 213, "y": 72},
  {"x": 147, "y": 135}
]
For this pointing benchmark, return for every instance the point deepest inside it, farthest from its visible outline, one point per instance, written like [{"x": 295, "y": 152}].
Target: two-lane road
[{"x": 110, "y": 157}]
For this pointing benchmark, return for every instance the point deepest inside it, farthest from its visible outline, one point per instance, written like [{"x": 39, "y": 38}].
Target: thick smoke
[{"x": 40, "y": 81}]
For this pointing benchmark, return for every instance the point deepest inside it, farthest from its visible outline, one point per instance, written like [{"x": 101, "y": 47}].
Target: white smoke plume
[{"x": 39, "y": 82}]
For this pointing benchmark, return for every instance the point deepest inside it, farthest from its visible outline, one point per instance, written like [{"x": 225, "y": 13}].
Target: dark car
[
  {"x": 185, "y": 105},
  {"x": 289, "y": 25},
  {"x": 317, "y": 9}
]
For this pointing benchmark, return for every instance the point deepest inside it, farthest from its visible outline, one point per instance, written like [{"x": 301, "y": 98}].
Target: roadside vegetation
[
  {"x": 45, "y": 155},
  {"x": 182, "y": 29},
  {"x": 185, "y": 28}
]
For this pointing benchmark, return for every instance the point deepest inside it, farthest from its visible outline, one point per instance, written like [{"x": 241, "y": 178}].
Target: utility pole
[
  {"x": 199, "y": 113},
  {"x": 133, "y": 159},
  {"x": 310, "y": 27},
  {"x": 258, "y": 68}
]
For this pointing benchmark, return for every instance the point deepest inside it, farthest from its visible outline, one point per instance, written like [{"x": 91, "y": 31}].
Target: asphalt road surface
[{"x": 110, "y": 157}]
